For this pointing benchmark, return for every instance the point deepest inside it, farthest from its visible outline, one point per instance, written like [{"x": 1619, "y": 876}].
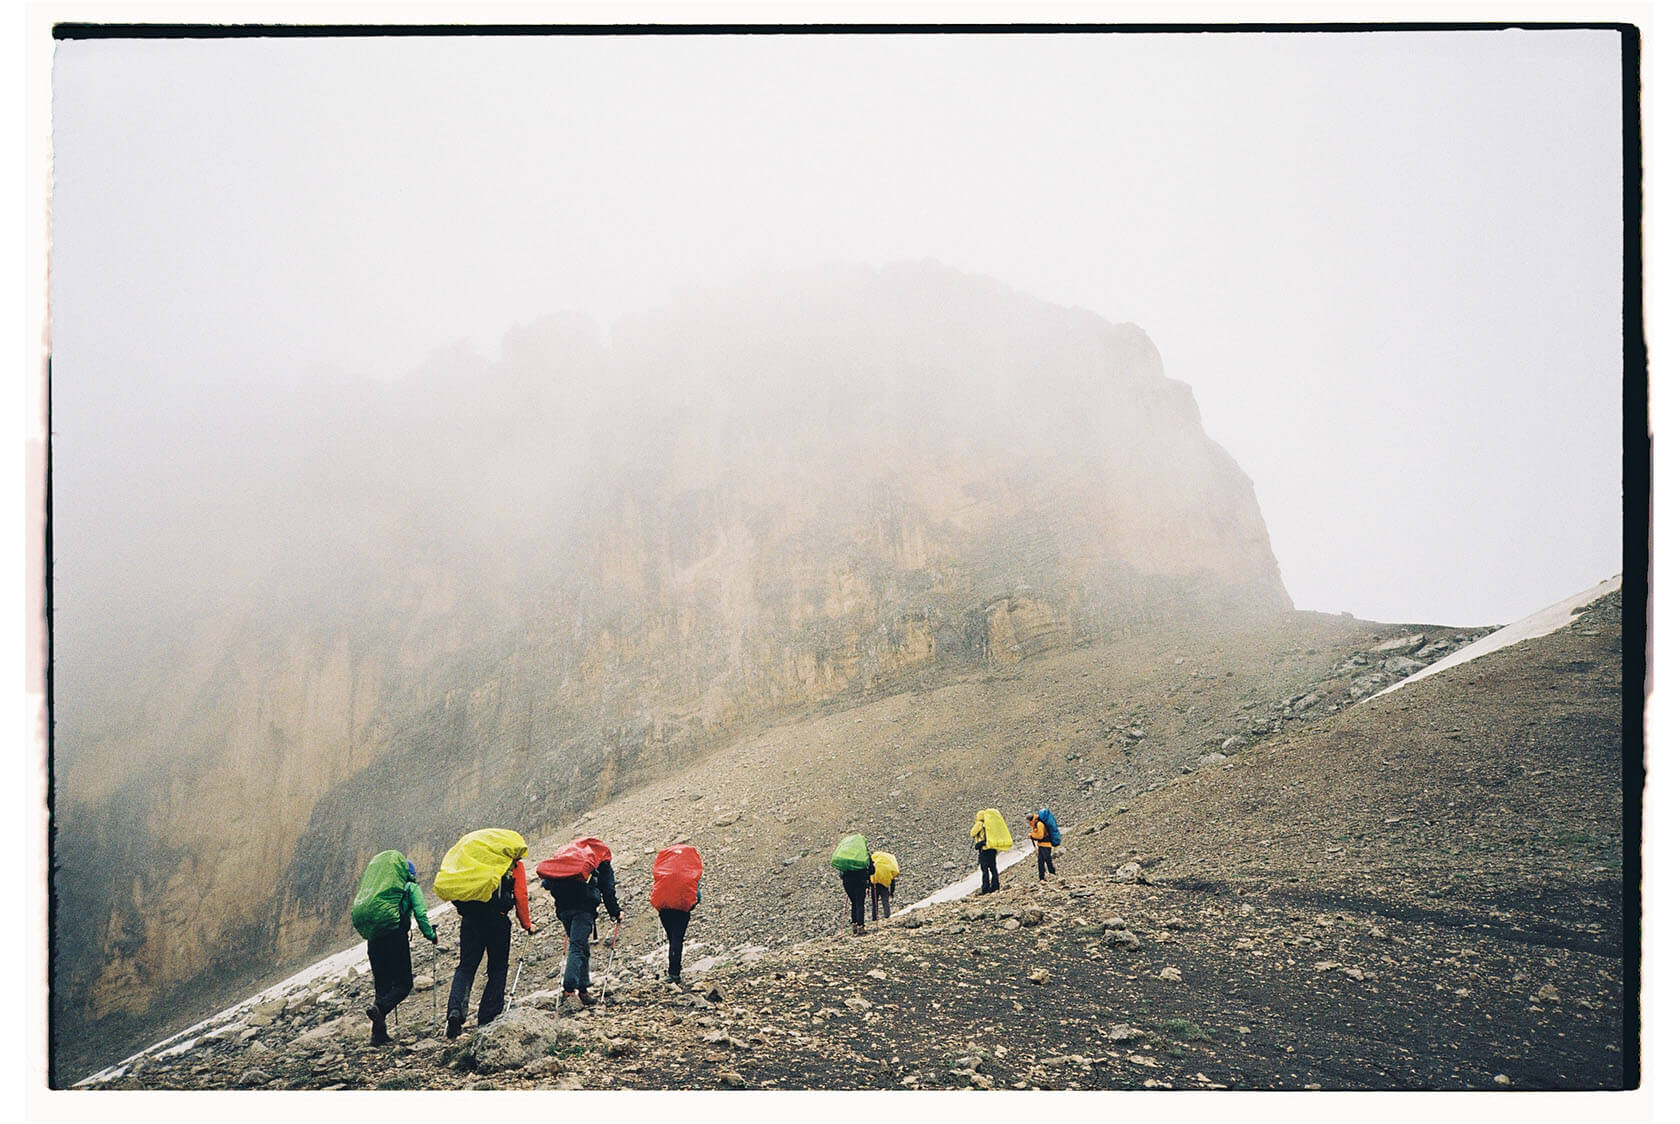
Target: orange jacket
[
  {"x": 521, "y": 897},
  {"x": 1040, "y": 833}
]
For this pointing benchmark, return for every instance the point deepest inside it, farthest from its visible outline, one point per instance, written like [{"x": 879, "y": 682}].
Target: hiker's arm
[
  {"x": 417, "y": 901},
  {"x": 521, "y": 897},
  {"x": 609, "y": 888}
]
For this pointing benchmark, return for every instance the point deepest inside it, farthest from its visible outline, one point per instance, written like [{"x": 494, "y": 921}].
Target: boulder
[{"x": 516, "y": 1039}]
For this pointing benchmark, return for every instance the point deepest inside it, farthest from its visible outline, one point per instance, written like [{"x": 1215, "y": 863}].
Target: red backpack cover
[
  {"x": 577, "y": 859},
  {"x": 676, "y": 878}
]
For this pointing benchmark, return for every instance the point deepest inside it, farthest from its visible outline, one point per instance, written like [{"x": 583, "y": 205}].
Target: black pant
[
  {"x": 676, "y": 925},
  {"x": 484, "y": 932},
  {"x": 393, "y": 971},
  {"x": 988, "y": 870},
  {"x": 579, "y": 924},
  {"x": 855, "y": 881},
  {"x": 880, "y": 901},
  {"x": 1045, "y": 862}
]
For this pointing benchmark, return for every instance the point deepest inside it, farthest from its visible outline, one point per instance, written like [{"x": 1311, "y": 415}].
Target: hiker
[
  {"x": 990, "y": 835},
  {"x": 676, "y": 891},
  {"x": 1046, "y": 836},
  {"x": 389, "y": 895},
  {"x": 579, "y": 876},
  {"x": 851, "y": 858},
  {"x": 881, "y": 880},
  {"x": 484, "y": 877}
]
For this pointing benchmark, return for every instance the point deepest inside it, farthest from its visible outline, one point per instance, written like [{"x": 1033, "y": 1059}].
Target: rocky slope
[
  {"x": 505, "y": 591},
  {"x": 1421, "y": 890}
]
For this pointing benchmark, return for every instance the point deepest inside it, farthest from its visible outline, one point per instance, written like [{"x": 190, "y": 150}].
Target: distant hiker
[
  {"x": 851, "y": 859},
  {"x": 1040, "y": 832},
  {"x": 389, "y": 895},
  {"x": 676, "y": 891},
  {"x": 990, "y": 835},
  {"x": 881, "y": 881},
  {"x": 1048, "y": 836},
  {"x": 579, "y": 876},
  {"x": 483, "y": 876}
]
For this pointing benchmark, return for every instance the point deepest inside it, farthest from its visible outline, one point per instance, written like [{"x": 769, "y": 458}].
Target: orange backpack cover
[
  {"x": 676, "y": 878},
  {"x": 577, "y": 859}
]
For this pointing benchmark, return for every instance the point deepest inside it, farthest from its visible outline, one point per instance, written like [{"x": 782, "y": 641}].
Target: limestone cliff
[{"x": 506, "y": 590}]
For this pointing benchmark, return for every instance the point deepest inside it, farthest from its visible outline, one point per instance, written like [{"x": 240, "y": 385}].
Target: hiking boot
[
  {"x": 453, "y": 1028},
  {"x": 857, "y": 930},
  {"x": 379, "y": 1037},
  {"x": 585, "y": 998}
]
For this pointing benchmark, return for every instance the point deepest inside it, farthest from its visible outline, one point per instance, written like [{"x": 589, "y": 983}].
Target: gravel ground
[{"x": 1420, "y": 891}]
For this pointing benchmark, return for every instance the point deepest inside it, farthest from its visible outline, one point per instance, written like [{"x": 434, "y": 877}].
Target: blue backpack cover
[{"x": 1052, "y": 832}]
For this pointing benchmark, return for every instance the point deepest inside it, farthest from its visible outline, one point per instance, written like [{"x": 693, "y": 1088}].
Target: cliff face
[{"x": 505, "y": 591}]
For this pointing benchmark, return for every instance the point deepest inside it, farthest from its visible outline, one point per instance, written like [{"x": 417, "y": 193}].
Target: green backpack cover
[
  {"x": 852, "y": 854},
  {"x": 378, "y": 908}
]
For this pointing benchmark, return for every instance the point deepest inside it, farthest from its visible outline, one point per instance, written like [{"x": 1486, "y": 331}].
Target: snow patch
[{"x": 1549, "y": 619}]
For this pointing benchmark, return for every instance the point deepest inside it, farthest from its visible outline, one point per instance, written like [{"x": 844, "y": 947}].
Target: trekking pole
[
  {"x": 613, "y": 947},
  {"x": 518, "y": 967},
  {"x": 434, "y": 981},
  {"x": 565, "y": 954}
]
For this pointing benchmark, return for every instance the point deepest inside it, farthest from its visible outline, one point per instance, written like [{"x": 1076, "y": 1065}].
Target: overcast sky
[{"x": 1388, "y": 264}]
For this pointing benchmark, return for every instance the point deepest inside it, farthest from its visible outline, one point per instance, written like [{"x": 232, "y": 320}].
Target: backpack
[
  {"x": 378, "y": 907},
  {"x": 676, "y": 878},
  {"x": 886, "y": 868},
  {"x": 852, "y": 854},
  {"x": 1051, "y": 831},
  {"x": 577, "y": 859},
  {"x": 473, "y": 869}
]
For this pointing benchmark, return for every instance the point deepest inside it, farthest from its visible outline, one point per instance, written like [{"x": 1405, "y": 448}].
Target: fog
[{"x": 1388, "y": 265}]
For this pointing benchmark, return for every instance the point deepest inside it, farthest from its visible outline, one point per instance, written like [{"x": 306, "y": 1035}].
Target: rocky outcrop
[{"x": 501, "y": 592}]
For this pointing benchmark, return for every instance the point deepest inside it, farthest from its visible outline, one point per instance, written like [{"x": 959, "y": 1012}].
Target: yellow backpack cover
[
  {"x": 997, "y": 831},
  {"x": 886, "y": 868},
  {"x": 473, "y": 868}
]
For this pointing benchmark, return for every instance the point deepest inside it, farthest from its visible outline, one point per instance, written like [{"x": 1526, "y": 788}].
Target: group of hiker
[{"x": 483, "y": 876}]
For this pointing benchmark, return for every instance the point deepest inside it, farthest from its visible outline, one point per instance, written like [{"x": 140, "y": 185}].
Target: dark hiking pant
[
  {"x": 880, "y": 901},
  {"x": 988, "y": 870},
  {"x": 485, "y": 932},
  {"x": 1045, "y": 862},
  {"x": 579, "y": 924},
  {"x": 393, "y": 971},
  {"x": 856, "y": 882},
  {"x": 676, "y": 926}
]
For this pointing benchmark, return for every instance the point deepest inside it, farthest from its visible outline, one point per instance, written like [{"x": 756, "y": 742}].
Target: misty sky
[{"x": 1388, "y": 264}]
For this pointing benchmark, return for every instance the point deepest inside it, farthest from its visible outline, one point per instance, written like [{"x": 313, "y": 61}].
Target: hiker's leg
[
  {"x": 578, "y": 926},
  {"x": 497, "y": 938},
  {"x": 393, "y": 972},
  {"x": 886, "y": 902},
  {"x": 473, "y": 936},
  {"x": 676, "y": 927},
  {"x": 381, "y": 966},
  {"x": 854, "y": 891}
]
